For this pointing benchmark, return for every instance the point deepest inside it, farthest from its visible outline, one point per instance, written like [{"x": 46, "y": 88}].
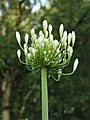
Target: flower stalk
[{"x": 44, "y": 94}]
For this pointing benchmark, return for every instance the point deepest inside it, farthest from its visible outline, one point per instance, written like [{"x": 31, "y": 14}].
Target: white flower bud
[
  {"x": 55, "y": 43},
  {"x": 26, "y": 38},
  {"x": 41, "y": 33},
  {"x": 18, "y": 53},
  {"x": 51, "y": 37},
  {"x": 75, "y": 65},
  {"x": 73, "y": 38},
  {"x": 25, "y": 51},
  {"x": 45, "y": 24},
  {"x": 46, "y": 34},
  {"x": 40, "y": 39},
  {"x": 18, "y": 37},
  {"x": 32, "y": 31},
  {"x": 50, "y": 29},
  {"x": 70, "y": 51},
  {"x": 69, "y": 38},
  {"x": 65, "y": 35},
  {"x": 61, "y": 28},
  {"x": 25, "y": 45}
]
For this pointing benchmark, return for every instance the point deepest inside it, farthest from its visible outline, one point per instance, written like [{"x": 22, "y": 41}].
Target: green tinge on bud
[
  {"x": 26, "y": 38},
  {"x": 73, "y": 38},
  {"x": 18, "y": 37},
  {"x": 69, "y": 38},
  {"x": 18, "y": 53},
  {"x": 50, "y": 28},
  {"x": 61, "y": 28},
  {"x": 75, "y": 64},
  {"x": 45, "y": 25}
]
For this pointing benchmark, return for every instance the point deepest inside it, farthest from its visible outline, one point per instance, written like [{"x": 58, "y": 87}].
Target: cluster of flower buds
[{"x": 45, "y": 51}]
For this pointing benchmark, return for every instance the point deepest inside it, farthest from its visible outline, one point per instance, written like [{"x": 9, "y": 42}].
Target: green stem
[{"x": 44, "y": 94}]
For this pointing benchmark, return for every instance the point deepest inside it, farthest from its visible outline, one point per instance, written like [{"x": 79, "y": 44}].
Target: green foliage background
[{"x": 69, "y": 99}]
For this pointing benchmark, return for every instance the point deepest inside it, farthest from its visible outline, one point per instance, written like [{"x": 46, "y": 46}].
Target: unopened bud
[
  {"x": 40, "y": 39},
  {"x": 69, "y": 38},
  {"x": 32, "y": 31},
  {"x": 73, "y": 38},
  {"x": 61, "y": 28},
  {"x": 75, "y": 65},
  {"x": 70, "y": 51},
  {"x": 45, "y": 24},
  {"x": 18, "y": 53},
  {"x": 65, "y": 35},
  {"x": 25, "y": 51},
  {"x": 41, "y": 33},
  {"x": 50, "y": 29},
  {"x": 18, "y": 37},
  {"x": 46, "y": 34},
  {"x": 26, "y": 38},
  {"x": 51, "y": 37}
]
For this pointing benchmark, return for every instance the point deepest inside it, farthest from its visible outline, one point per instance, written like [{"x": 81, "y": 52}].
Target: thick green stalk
[{"x": 44, "y": 94}]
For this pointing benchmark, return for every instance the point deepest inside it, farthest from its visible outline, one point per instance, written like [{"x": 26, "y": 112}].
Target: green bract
[{"x": 47, "y": 52}]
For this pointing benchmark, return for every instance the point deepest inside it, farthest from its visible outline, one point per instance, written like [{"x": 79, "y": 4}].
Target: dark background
[{"x": 20, "y": 92}]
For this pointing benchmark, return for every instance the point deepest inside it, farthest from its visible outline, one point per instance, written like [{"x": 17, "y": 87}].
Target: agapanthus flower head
[{"x": 45, "y": 51}]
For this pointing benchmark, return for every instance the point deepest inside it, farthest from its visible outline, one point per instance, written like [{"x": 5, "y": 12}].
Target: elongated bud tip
[
  {"x": 26, "y": 38},
  {"x": 45, "y": 24},
  {"x": 18, "y": 53},
  {"x": 50, "y": 29},
  {"x": 69, "y": 38},
  {"x": 61, "y": 28},
  {"x": 73, "y": 38},
  {"x": 76, "y": 62},
  {"x": 32, "y": 31},
  {"x": 18, "y": 37}
]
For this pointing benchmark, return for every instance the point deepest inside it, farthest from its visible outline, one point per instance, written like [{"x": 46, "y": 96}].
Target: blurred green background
[{"x": 20, "y": 90}]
